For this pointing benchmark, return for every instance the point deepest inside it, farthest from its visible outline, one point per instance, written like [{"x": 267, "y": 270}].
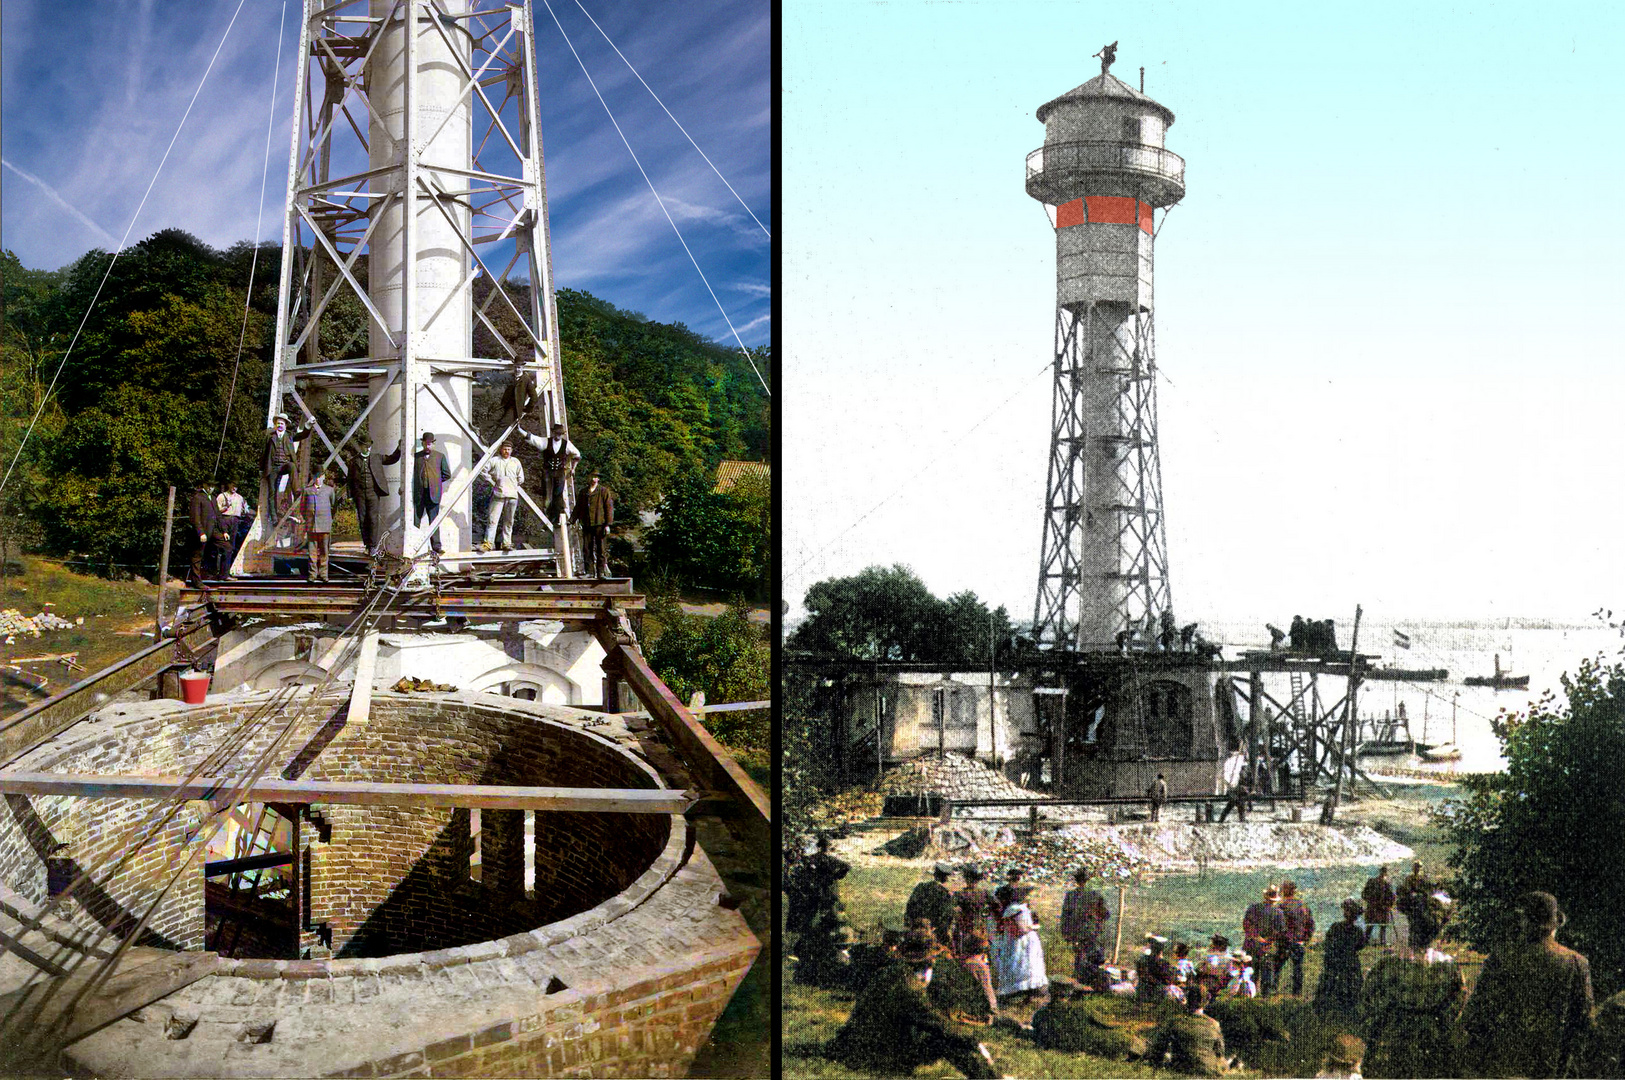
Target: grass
[
  {"x": 1185, "y": 907},
  {"x": 115, "y": 613}
]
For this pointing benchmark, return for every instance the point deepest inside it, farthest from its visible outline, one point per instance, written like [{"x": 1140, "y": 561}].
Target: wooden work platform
[{"x": 583, "y": 601}]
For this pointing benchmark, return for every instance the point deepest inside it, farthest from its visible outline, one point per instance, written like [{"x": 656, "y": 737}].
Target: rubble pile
[
  {"x": 14, "y": 622},
  {"x": 408, "y": 685},
  {"x": 1252, "y": 843},
  {"x": 955, "y": 776}
]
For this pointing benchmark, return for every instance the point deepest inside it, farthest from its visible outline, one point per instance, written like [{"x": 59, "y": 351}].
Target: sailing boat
[{"x": 1448, "y": 751}]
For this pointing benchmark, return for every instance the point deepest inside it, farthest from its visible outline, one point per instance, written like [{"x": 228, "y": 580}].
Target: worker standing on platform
[
  {"x": 232, "y": 506},
  {"x": 367, "y": 483},
  {"x": 318, "y": 514},
  {"x": 278, "y": 462},
  {"x": 559, "y": 457},
  {"x": 200, "y": 515},
  {"x": 429, "y": 475},
  {"x": 1158, "y": 794},
  {"x": 506, "y": 475},
  {"x": 596, "y": 513}
]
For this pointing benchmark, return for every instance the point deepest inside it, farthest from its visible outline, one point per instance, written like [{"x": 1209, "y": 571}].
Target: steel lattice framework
[
  {"x": 1124, "y": 511},
  {"x": 415, "y": 189}
]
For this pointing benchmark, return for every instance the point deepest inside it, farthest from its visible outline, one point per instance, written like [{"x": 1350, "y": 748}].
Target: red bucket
[{"x": 194, "y": 687}]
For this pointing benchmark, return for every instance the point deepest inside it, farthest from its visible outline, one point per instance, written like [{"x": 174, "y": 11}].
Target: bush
[{"x": 726, "y": 657}]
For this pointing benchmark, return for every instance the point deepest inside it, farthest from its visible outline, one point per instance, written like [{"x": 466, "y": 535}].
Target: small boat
[
  {"x": 1501, "y": 680},
  {"x": 1443, "y": 752},
  {"x": 1388, "y": 747}
]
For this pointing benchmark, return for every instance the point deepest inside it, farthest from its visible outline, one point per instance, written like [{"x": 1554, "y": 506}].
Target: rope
[
  {"x": 253, "y": 262},
  {"x": 1048, "y": 365},
  {"x": 122, "y": 242},
  {"x": 658, "y": 199},
  {"x": 674, "y": 120}
]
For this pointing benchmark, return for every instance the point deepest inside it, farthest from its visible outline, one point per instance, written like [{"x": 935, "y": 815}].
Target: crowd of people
[
  {"x": 220, "y": 522},
  {"x": 970, "y": 955}
]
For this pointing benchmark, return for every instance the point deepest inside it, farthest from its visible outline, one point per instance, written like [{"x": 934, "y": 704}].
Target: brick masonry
[{"x": 620, "y": 967}]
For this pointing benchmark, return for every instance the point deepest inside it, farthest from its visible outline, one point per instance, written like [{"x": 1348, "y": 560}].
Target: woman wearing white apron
[{"x": 1021, "y": 961}]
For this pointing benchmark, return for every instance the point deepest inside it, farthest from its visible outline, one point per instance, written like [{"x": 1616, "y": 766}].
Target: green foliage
[
  {"x": 717, "y": 540},
  {"x": 1551, "y": 821},
  {"x": 726, "y": 657},
  {"x": 889, "y": 614}
]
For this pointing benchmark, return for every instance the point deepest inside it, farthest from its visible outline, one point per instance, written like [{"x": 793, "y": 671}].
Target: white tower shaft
[{"x": 416, "y": 205}]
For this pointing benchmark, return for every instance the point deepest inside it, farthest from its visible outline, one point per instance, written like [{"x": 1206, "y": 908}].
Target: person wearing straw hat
[
  {"x": 1262, "y": 926},
  {"x": 932, "y": 901},
  {"x": 1340, "y": 978},
  {"x": 894, "y": 1027},
  {"x": 1531, "y": 1008},
  {"x": 277, "y": 462},
  {"x": 1154, "y": 977}
]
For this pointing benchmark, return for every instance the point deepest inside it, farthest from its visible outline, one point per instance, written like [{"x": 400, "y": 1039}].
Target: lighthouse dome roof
[{"x": 1106, "y": 87}]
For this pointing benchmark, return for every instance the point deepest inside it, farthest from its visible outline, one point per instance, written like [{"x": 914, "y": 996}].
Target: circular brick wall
[{"x": 382, "y": 880}]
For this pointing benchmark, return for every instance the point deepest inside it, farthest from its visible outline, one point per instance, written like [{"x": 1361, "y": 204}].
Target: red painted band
[{"x": 1104, "y": 210}]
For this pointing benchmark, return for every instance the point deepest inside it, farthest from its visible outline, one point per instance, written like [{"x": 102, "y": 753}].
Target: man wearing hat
[
  {"x": 596, "y": 513},
  {"x": 1261, "y": 928},
  {"x": 1341, "y": 979},
  {"x": 367, "y": 482},
  {"x": 974, "y": 912},
  {"x": 430, "y": 474},
  {"x": 894, "y": 1027},
  {"x": 277, "y": 462},
  {"x": 1084, "y": 916},
  {"x": 932, "y": 901},
  {"x": 507, "y": 476},
  {"x": 1193, "y": 1043},
  {"x": 1078, "y": 1020},
  {"x": 1297, "y": 930},
  {"x": 1154, "y": 975},
  {"x": 1531, "y": 1009}
]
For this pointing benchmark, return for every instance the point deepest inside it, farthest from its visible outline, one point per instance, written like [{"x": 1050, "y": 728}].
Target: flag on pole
[{"x": 1402, "y": 640}]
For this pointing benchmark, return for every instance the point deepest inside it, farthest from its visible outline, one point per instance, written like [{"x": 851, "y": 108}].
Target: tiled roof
[{"x": 730, "y": 473}]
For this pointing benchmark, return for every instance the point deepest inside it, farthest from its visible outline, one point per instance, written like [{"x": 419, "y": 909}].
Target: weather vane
[{"x": 1108, "y": 56}]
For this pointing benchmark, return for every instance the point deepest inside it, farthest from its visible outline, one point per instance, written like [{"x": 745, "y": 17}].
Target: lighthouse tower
[{"x": 1101, "y": 174}]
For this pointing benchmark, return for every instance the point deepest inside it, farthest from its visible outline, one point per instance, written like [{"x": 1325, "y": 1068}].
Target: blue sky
[
  {"x": 92, "y": 93},
  {"x": 1388, "y": 310}
]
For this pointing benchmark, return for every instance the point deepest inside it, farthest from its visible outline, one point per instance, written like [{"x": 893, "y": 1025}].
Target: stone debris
[
  {"x": 14, "y": 622},
  {"x": 956, "y": 776},
  {"x": 408, "y": 685}
]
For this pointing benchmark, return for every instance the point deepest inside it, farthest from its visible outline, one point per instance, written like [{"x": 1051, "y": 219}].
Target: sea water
[{"x": 1544, "y": 650}]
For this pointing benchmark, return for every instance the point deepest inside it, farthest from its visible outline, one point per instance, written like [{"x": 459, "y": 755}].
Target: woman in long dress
[
  {"x": 1410, "y": 1003},
  {"x": 1340, "y": 978},
  {"x": 1021, "y": 962}
]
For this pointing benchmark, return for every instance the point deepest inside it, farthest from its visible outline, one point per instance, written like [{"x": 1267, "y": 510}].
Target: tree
[
  {"x": 716, "y": 539},
  {"x": 1551, "y": 821},
  {"x": 889, "y": 614},
  {"x": 726, "y": 657}
]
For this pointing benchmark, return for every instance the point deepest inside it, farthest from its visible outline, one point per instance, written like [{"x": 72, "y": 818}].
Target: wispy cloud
[
  {"x": 77, "y": 214},
  {"x": 753, "y": 288}
]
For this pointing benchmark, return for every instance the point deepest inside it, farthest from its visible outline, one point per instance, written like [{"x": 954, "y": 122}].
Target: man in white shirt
[
  {"x": 559, "y": 457},
  {"x": 232, "y": 507},
  {"x": 506, "y": 476}
]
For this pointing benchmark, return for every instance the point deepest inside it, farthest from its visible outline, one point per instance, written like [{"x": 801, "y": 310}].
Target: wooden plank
[
  {"x": 126, "y": 991},
  {"x": 361, "y": 692},
  {"x": 17, "y": 948},
  {"x": 247, "y": 862},
  {"x": 697, "y": 745},
  {"x": 350, "y": 793}
]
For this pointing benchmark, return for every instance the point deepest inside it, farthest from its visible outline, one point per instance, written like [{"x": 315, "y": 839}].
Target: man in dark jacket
[
  {"x": 1158, "y": 794},
  {"x": 520, "y": 396},
  {"x": 895, "y": 1027},
  {"x": 1378, "y": 895},
  {"x": 1261, "y": 928},
  {"x": 277, "y": 463},
  {"x": 367, "y": 483},
  {"x": 429, "y": 475},
  {"x": 1298, "y": 926},
  {"x": 201, "y": 515},
  {"x": 1531, "y": 1009},
  {"x": 596, "y": 513},
  {"x": 932, "y": 901}
]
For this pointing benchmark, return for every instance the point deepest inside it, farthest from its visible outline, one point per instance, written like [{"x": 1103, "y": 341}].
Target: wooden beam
[
  {"x": 128, "y": 990},
  {"x": 247, "y": 862},
  {"x": 696, "y": 745},
  {"x": 349, "y": 793},
  {"x": 361, "y": 692}
]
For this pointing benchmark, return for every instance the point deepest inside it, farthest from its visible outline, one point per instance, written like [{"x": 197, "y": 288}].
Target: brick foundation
[{"x": 619, "y": 966}]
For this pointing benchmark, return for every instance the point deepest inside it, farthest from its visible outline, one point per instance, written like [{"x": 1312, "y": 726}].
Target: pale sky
[{"x": 1388, "y": 309}]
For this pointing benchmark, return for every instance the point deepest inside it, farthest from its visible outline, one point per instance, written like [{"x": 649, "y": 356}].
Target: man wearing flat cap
[
  {"x": 932, "y": 901},
  {"x": 895, "y": 1028}
]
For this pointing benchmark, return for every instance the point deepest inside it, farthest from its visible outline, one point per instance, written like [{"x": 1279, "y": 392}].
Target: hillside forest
[{"x": 155, "y": 391}]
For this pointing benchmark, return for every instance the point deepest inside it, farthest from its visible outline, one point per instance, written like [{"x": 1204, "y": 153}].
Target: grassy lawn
[
  {"x": 115, "y": 613},
  {"x": 1184, "y": 907}
]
